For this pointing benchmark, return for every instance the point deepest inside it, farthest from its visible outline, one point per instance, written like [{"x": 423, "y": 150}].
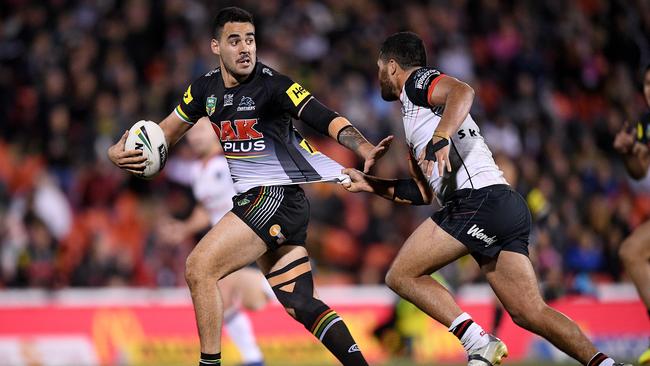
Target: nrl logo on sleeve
[{"x": 210, "y": 104}]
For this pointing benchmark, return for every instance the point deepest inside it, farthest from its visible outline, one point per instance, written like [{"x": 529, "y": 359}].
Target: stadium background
[{"x": 554, "y": 81}]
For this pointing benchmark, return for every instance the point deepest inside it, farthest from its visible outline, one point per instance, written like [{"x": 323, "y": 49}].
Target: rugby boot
[{"x": 490, "y": 354}]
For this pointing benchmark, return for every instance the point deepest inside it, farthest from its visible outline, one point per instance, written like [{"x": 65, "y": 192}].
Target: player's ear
[
  {"x": 214, "y": 46},
  {"x": 392, "y": 67}
]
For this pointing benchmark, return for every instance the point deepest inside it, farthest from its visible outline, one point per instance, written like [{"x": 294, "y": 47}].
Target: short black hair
[
  {"x": 229, "y": 14},
  {"x": 406, "y": 48}
]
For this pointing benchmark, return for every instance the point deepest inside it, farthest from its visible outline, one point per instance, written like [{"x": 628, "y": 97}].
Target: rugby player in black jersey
[
  {"x": 634, "y": 147},
  {"x": 251, "y": 107},
  {"x": 480, "y": 215}
]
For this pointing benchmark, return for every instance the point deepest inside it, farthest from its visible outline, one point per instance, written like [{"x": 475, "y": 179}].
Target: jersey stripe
[
  {"x": 433, "y": 86},
  {"x": 294, "y": 164},
  {"x": 179, "y": 112}
]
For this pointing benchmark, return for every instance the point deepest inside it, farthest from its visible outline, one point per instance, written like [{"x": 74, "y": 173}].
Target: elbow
[{"x": 468, "y": 91}]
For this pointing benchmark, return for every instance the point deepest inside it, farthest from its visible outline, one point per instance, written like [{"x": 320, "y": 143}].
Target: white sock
[
  {"x": 471, "y": 335},
  {"x": 240, "y": 330},
  {"x": 600, "y": 359}
]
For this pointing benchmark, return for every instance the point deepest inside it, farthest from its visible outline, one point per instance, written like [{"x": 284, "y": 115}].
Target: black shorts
[
  {"x": 279, "y": 215},
  {"x": 487, "y": 220}
]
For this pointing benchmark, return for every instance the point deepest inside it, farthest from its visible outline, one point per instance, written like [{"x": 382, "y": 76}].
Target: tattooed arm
[{"x": 347, "y": 135}]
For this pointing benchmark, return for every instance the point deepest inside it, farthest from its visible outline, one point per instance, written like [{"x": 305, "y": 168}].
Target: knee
[
  {"x": 395, "y": 280},
  {"x": 303, "y": 307},
  {"x": 527, "y": 316},
  {"x": 194, "y": 273}
]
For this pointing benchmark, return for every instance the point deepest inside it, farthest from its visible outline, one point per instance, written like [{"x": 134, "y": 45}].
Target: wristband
[
  {"x": 441, "y": 135},
  {"x": 432, "y": 148},
  {"x": 407, "y": 189}
]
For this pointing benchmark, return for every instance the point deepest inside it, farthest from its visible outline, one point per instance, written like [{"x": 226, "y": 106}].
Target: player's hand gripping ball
[{"x": 149, "y": 138}]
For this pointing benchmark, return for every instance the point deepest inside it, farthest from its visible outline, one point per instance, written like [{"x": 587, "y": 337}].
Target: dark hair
[
  {"x": 229, "y": 14},
  {"x": 406, "y": 48}
]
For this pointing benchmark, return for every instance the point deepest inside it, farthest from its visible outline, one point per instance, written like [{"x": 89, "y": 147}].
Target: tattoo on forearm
[{"x": 351, "y": 138}]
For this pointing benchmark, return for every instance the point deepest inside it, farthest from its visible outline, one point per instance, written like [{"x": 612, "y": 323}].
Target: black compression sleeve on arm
[
  {"x": 318, "y": 116},
  {"x": 407, "y": 189}
]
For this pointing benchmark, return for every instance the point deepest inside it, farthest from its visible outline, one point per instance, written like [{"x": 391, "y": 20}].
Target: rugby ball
[{"x": 148, "y": 137}]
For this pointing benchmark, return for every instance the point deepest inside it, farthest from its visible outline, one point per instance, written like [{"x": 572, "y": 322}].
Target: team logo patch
[
  {"x": 187, "y": 97},
  {"x": 276, "y": 232},
  {"x": 246, "y": 104},
  {"x": 210, "y": 105},
  {"x": 297, "y": 93},
  {"x": 243, "y": 202}
]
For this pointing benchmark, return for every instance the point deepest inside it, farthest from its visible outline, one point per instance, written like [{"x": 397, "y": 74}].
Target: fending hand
[{"x": 377, "y": 152}]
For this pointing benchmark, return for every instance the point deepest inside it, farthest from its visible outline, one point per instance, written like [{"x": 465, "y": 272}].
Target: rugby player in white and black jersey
[
  {"x": 480, "y": 215},
  {"x": 251, "y": 107}
]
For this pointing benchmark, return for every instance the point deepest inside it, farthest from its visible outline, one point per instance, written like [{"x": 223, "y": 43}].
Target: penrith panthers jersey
[
  {"x": 253, "y": 120},
  {"x": 471, "y": 160}
]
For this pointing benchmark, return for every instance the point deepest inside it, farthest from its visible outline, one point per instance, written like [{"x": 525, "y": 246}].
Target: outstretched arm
[
  {"x": 328, "y": 122},
  {"x": 415, "y": 191},
  {"x": 347, "y": 135}
]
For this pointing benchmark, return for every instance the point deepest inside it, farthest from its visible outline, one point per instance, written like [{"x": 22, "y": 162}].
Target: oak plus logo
[
  {"x": 478, "y": 233},
  {"x": 240, "y": 136}
]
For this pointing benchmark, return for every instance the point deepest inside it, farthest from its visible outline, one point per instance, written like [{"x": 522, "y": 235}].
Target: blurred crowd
[{"x": 554, "y": 82}]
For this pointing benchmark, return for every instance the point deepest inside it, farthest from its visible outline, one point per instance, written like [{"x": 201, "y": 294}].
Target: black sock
[
  {"x": 330, "y": 329},
  {"x": 210, "y": 359},
  {"x": 498, "y": 315}
]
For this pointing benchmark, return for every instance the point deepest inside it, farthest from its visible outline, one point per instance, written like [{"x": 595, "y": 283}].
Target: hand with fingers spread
[
  {"x": 625, "y": 139},
  {"x": 376, "y": 153},
  {"x": 437, "y": 150},
  {"x": 133, "y": 161}
]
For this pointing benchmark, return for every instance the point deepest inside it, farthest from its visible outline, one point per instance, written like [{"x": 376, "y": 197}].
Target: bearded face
[{"x": 387, "y": 90}]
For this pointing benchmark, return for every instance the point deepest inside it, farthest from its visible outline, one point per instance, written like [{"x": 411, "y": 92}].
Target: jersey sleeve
[
  {"x": 290, "y": 96},
  {"x": 420, "y": 85},
  {"x": 191, "y": 107}
]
